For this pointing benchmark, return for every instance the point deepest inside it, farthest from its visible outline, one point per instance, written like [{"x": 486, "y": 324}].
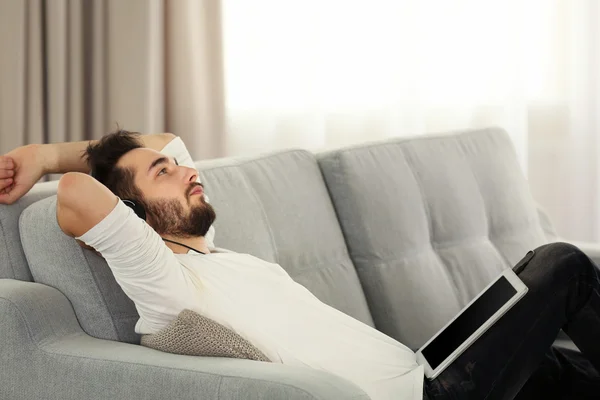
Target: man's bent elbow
[
  {"x": 66, "y": 199},
  {"x": 82, "y": 202},
  {"x": 67, "y": 188},
  {"x": 167, "y": 136}
]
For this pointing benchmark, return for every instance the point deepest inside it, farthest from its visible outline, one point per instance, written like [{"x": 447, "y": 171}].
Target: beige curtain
[{"x": 74, "y": 69}]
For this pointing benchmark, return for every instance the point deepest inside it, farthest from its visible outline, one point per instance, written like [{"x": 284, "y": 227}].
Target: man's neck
[{"x": 196, "y": 243}]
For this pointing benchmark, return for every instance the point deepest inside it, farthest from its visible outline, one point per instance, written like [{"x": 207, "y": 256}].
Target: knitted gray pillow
[{"x": 192, "y": 334}]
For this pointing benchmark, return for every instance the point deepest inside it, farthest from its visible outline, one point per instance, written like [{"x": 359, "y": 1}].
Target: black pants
[{"x": 515, "y": 358}]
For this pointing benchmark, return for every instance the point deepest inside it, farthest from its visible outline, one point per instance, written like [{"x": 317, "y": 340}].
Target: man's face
[{"x": 173, "y": 198}]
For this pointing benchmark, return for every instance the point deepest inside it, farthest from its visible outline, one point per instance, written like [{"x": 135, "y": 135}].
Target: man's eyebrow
[{"x": 159, "y": 160}]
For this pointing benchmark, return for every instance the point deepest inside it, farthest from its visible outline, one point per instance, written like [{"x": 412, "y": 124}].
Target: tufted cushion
[
  {"x": 192, "y": 334},
  {"x": 429, "y": 221},
  {"x": 275, "y": 207}
]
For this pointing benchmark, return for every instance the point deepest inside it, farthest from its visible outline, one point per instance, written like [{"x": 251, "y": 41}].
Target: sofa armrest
[
  {"x": 45, "y": 354},
  {"x": 591, "y": 249}
]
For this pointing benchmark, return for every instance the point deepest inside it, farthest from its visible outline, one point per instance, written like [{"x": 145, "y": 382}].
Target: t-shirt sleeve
[
  {"x": 145, "y": 268},
  {"x": 176, "y": 149}
]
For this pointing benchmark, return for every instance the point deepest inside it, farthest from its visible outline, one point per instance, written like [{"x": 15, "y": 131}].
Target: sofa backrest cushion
[
  {"x": 55, "y": 259},
  {"x": 275, "y": 207},
  {"x": 429, "y": 222},
  {"x": 13, "y": 264}
]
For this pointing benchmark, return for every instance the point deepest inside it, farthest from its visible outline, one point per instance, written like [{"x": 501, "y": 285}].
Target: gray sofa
[{"x": 399, "y": 234}]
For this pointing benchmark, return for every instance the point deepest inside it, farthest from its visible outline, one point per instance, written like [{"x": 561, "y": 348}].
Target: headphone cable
[{"x": 184, "y": 245}]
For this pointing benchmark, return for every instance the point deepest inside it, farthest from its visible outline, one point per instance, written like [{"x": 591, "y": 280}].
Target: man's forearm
[{"x": 60, "y": 158}]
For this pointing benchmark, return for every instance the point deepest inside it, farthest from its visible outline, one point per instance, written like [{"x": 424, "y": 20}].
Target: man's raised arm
[{"x": 23, "y": 167}]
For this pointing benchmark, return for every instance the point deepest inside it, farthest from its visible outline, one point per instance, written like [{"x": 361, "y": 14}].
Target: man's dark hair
[{"x": 102, "y": 159}]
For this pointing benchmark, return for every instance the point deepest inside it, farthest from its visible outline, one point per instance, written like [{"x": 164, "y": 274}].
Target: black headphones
[{"x": 140, "y": 211}]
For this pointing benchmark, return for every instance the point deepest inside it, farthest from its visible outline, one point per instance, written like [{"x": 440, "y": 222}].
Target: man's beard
[{"x": 168, "y": 217}]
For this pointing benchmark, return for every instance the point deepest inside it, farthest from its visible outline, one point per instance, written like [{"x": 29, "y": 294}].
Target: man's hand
[
  {"x": 7, "y": 172},
  {"x": 19, "y": 171}
]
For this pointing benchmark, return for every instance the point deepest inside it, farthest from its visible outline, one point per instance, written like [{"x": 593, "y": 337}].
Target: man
[{"x": 166, "y": 261}]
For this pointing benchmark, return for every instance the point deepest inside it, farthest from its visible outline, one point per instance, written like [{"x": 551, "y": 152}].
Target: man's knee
[
  {"x": 562, "y": 258},
  {"x": 560, "y": 250}
]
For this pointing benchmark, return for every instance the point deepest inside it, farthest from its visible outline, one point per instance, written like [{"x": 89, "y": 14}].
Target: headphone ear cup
[{"x": 138, "y": 209}]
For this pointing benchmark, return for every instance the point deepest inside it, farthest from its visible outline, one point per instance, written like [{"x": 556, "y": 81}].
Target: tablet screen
[{"x": 468, "y": 322}]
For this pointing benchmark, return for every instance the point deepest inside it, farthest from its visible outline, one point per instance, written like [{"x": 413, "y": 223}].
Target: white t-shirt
[{"x": 256, "y": 299}]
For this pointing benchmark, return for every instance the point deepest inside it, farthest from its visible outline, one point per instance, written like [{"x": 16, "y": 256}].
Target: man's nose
[{"x": 191, "y": 175}]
